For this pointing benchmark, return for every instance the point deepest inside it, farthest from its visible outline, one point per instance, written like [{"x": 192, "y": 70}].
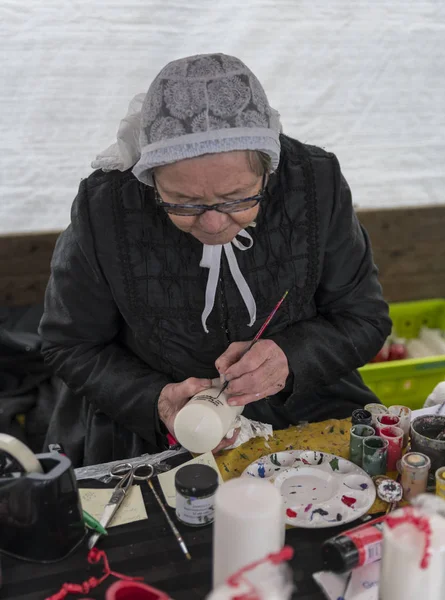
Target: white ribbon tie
[{"x": 211, "y": 259}]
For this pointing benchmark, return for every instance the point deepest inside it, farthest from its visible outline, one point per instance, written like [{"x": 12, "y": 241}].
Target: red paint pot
[
  {"x": 386, "y": 421},
  {"x": 134, "y": 590},
  {"x": 394, "y": 436}
]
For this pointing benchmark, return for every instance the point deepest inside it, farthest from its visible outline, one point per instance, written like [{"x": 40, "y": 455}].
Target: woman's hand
[
  {"x": 261, "y": 372},
  {"x": 176, "y": 395}
]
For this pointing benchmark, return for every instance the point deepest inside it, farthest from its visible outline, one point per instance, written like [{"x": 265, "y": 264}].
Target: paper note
[
  {"x": 364, "y": 583},
  {"x": 167, "y": 480},
  {"x": 131, "y": 509}
]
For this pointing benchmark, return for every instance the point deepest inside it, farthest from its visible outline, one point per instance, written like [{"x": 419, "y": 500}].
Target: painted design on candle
[
  {"x": 349, "y": 501},
  {"x": 291, "y": 513}
]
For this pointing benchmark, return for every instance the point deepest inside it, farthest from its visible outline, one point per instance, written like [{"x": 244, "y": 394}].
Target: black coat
[{"x": 123, "y": 306}]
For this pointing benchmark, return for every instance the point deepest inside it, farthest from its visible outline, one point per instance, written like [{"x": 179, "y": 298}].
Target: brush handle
[{"x": 258, "y": 335}]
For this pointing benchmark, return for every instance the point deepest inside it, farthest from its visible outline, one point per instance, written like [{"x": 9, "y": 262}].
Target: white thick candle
[
  {"x": 205, "y": 420},
  {"x": 402, "y": 576},
  {"x": 249, "y": 525}
]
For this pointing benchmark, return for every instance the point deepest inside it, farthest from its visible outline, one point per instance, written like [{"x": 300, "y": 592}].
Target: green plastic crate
[{"x": 409, "y": 382}]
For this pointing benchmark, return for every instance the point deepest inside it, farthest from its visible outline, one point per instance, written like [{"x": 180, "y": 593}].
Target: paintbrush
[{"x": 258, "y": 335}]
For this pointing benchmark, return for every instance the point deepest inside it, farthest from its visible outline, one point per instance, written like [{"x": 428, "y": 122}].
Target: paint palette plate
[{"x": 319, "y": 489}]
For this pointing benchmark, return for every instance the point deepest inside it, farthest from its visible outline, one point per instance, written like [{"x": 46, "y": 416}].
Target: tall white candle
[
  {"x": 402, "y": 575},
  {"x": 249, "y": 525}
]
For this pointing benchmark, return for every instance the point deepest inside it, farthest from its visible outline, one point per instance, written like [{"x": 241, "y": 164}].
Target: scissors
[
  {"x": 117, "y": 497},
  {"x": 146, "y": 472}
]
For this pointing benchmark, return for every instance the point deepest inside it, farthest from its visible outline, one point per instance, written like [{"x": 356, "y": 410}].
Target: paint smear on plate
[
  {"x": 261, "y": 471},
  {"x": 319, "y": 511},
  {"x": 291, "y": 513},
  {"x": 274, "y": 460},
  {"x": 348, "y": 501},
  {"x": 334, "y": 464},
  {"x": 308, "y": 508},
  {"x": 337, "y": 519}
]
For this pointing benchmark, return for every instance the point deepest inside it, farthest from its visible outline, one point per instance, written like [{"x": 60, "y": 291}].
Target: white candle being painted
[
  {"x": 403, "y": 547},
  {"x": 205, "y": 420},
  {"x": 249, "y": 525}
]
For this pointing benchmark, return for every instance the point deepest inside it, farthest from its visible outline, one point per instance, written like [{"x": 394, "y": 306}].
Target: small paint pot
[
  {"x": 375, "y": 454},
  {"x": 424, "y": 431},
  {"x": 404, "y": 413},
  {"x": 375, "y": 410},
  {"x": 357, "y": 434},
  {"x": 415, "y": 467},
  {"x": 394, "y": 437},
  {"x": 360, "y": 416},
  {"x": 386, "y": 421},
  {"x": 440, "y": 482},
  {"x": 134, "y": 590},
  {"x": 195, "y": 494}
]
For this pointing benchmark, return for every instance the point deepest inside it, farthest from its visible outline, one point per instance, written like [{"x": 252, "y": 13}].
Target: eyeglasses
[{"x": 194, "y": 210}]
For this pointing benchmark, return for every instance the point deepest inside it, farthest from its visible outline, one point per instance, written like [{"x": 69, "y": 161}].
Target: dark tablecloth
[{"x": 148, "y": 549}]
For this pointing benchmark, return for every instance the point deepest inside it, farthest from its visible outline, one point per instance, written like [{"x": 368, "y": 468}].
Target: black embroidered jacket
[{"x": 124, "y": 302}]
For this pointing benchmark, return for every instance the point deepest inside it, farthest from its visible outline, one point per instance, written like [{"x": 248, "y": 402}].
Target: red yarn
[
  {"x": 94, "y": 556},
  {"x": 421, "y": 523},
  {"x": 276, "y": 558}
]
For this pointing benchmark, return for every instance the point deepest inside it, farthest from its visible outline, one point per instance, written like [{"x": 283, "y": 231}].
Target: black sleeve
[
  {"x": 352, "y": 320},
  {"x": 79, "y": 330}
]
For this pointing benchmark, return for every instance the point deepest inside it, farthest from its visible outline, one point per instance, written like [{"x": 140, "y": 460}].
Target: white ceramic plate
[{"x": 318, "y": 489}]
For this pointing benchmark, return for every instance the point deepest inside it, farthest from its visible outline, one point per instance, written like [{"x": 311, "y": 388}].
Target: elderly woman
[{"x": 170, "y": 267}]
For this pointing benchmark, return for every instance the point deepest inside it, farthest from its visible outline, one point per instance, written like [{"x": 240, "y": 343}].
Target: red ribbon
[
  {"x": 421, "y": 523},
  {"x": 235, "y": 580},
  {"x": 94, "y": 557}
]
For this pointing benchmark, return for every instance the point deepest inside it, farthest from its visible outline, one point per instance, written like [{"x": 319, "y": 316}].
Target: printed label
[
  {"x": 368, "y": 540},
  {"x": 373, "y": 552},
  {"x": 194, "y": 511}
]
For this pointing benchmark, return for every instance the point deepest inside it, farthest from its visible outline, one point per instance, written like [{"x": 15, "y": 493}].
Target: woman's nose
[{"x": 213, "y": 221}]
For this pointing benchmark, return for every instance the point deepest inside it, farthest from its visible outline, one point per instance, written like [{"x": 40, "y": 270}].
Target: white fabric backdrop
[{"x": 362, "y": 78}]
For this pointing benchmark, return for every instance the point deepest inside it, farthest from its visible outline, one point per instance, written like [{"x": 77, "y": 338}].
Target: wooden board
[
  {"x": 408, "y": 245},
  {"x": 25, "y": 266},
  {"x": 409, "y": 249}
]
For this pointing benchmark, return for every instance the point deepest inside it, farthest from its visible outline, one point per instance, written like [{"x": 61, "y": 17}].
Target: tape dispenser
[{"x": 40, "y": 511}]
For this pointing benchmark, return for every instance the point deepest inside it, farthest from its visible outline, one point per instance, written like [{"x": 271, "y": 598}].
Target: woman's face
[{"x": 210, "y": 179}]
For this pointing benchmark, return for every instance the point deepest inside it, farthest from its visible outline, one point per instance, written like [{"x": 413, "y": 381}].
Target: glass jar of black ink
[{"x": 195, "y": 492}]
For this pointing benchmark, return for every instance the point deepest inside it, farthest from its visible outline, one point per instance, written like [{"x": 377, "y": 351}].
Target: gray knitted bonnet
[{"x": 204, "y": 104}]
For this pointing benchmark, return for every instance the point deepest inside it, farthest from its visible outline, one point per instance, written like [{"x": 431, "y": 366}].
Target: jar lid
[{"x": 196, "y": 480}]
